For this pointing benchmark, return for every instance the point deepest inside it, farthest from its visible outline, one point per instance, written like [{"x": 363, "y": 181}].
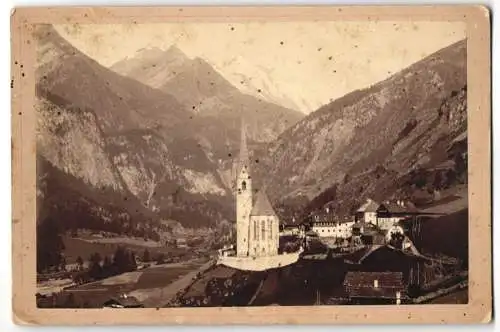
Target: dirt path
[{"x": 158, "y": 297}]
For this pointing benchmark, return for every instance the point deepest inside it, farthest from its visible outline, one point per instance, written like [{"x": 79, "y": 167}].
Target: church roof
[{"x": 262, "y": 206}]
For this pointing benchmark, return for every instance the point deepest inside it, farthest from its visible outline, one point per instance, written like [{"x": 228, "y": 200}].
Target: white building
[
  {"x": 257, "y": 225},
  {"x": 330, "y": 225}
]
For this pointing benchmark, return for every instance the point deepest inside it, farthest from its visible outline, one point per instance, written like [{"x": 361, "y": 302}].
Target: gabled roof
[
  {"x": 393, "y": 207},
  {"x": 262, "y": 206},
  {"x": 362, "y": 284},
  {"x": 126, "y": 301},
  {"x": 369, "y": 206}
]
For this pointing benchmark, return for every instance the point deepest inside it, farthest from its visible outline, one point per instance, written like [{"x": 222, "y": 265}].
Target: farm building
[
  {"x": 123, "y": 302},
  {"x": 330, "y": 225},
  {"x": 384, "y": 215},
  {"x": 375, "y": 287}
]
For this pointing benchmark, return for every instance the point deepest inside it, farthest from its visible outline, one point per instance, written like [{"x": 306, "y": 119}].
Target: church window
[
  {"x": 255, "y": 230},
  {"x": 244, "y": 185},
  {"x": 270, "y": 225},
  {"x": 263, "y": 229}
]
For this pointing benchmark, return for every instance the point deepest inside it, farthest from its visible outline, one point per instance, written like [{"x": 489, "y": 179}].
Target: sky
[{"x": 301, "y": 65}]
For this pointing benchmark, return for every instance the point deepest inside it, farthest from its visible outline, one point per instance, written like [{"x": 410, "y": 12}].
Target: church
[{"x": 257, "y": 225}]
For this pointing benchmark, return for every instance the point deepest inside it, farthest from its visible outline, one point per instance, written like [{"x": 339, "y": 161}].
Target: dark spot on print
[
  {"x": 15, "y": 62},
  {"x": 319, "y": 49},
  {"x": 229, "y": 155},
  {"x": 259, "y": 90},
  {"x": 281, "y": 43},
  {"x": 241, "y": 82},
  {"x": 20, "y": 113},
  {"x": 21, "y": 66},
  {"x": 58, "y": 112},
  {"x": 124, "y": 198},
  {"x": 330, "y": 57},
  {"x": 256, "y": 161},
  {"x": 22, "y": 74},
  {"x": 232, "y": 28},
  {"x": 12, "y": 84},
  {"x": 44, "y": 77},
  {"x": 194, "y": 107},
  {"x": 85, "y": 15}
]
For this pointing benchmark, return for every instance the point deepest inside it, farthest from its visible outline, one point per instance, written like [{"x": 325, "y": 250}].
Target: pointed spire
[
  {"x": 243, "y": 143},
  {"x": 243, "y": 159}
]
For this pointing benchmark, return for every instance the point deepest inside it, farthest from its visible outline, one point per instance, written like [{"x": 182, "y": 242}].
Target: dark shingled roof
[
  {"x": 129, "y": 301},
  {"x": 361, "y": 284},
  {"x": 262, "y": 206}
]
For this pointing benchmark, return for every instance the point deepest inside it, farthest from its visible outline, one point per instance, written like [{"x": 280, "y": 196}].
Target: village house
[
  {"x": 384, "y": 215},
  {"x": 124, "y": 301},
  {"x": 291, "y": 227},
  {"x": 327, "y": 224},
  {"x": 375, "y": 287}
]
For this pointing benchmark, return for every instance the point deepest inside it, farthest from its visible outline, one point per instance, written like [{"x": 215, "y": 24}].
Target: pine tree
[
  {"x": 146, "y": 256},
  {"x": 95, "y": 269},
  {"x": 79, "y": 261}
]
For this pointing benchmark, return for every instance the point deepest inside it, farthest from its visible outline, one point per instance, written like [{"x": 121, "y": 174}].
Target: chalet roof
[
  {"x": 125, "y": 301},
  {"x": 362, "y": 284},
  {"x": 331, "y": 218},
  {"x": 369, "y": 206},
  {"x": 262, "y": 206},
  {"x": 394, "y": 207}
]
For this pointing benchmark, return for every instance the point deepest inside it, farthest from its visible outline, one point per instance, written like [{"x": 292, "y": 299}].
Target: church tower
[{"x": 243, "y": 187}]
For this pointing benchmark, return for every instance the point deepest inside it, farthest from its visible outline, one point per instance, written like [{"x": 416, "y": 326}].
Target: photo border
[{"x": 23, "y": 64}]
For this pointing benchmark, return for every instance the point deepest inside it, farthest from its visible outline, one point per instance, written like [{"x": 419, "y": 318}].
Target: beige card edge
[{"x": 479, "y": 308}]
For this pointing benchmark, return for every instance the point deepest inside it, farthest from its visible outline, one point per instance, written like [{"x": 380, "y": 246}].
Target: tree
[
  {"x": 146, "y": 256},
  {"x": 397, "y": 240},
  {"x": 132, "y": 263},
  {"x": 79, "y": 261},
  {"x": 107, "y": 267},
  {"x": 160, "y": 259},
  {"x": 49, "y": 245},
  {"x": 120, "y": 259},
  {"x": 95, "y": 269}
]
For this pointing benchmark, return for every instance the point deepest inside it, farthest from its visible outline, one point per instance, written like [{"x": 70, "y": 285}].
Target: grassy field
[
  {"x": 75, "y": 247},
  {"x": 143, "y": 284}
]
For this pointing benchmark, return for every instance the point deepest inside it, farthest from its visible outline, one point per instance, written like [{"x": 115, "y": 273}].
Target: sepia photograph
[{"x": 251, "y": 163}]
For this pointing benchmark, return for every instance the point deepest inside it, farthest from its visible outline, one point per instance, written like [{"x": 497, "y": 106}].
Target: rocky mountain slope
[
  {"x": 373, "y": 142},
  {"x": 200, "y": 88},
  {"x": 113, "y": 132}
]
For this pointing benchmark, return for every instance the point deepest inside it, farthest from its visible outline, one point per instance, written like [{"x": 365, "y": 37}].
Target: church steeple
[
  {"x": 243, "y": 144},
  {"x": 243, "y": 194}
]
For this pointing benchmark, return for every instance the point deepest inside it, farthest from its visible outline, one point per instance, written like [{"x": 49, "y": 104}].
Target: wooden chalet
[{"x": 375, "y": 287}]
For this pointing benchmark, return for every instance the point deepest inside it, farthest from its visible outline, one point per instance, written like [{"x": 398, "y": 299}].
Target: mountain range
[
  {"x": 373, "y": 142},
  {"x": 154, "y": 136}
]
